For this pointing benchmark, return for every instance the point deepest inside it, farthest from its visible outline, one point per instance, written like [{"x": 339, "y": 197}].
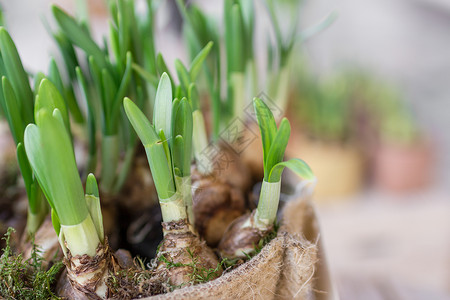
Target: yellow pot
[{"x": 339, "y": 168}]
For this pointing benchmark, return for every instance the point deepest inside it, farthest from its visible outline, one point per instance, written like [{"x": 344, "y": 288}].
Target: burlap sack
[{"x": 289, "y": 267}]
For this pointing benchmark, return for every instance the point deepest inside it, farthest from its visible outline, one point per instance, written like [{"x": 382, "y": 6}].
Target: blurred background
[{"x": 369, "y": 99}]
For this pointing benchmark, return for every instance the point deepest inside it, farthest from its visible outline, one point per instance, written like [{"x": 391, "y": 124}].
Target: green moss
[
  {"x": 26, "y": 278},
  {"x": 135, "y": 282},
  {"x": 199, "y": 273},
  {"x": 266, "y": 239}
]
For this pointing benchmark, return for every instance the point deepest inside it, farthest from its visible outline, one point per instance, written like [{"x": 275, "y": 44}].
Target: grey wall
[{"x": 402, "y": 40}]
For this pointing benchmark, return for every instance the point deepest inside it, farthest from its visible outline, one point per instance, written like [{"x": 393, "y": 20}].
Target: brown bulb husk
[
  {"x": 182, "y": 254},
  {"x": 87, "y": 277},
  {"x": 95, "y": 269},
  {"x": 46, "y": 242},
  {"x": 124, "y": 279},
  {"x": 229, "y": 168},
  {"x": 139, "y": 191},
  {"x": 252, "y": 156},
  {"x": 241, "y": 238},
  {"x": 215, "y": 204}
]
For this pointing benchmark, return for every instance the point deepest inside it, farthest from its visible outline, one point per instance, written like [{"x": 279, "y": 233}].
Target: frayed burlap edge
[
  {"x": 286, "y": 268},
  {"x": 300, "y": 217}
]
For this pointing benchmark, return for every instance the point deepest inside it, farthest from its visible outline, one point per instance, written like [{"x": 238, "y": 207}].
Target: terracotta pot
[
  {"x": 339, "y": 168},
  {"x": 96, "y": 8},
  {"x": 403, "y": 168}
]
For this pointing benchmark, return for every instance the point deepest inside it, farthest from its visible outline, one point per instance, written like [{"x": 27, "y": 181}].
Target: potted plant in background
[
  {"x": 403, "y": 160},
  {"x": 324, "y": 135}
]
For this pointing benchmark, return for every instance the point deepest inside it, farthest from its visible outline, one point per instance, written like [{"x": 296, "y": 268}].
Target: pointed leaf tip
[{"x": 91, "y": 185}]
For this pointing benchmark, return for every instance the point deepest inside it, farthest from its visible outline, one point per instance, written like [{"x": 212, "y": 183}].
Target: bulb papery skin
[
  {"x": 242, "y": 237},
  {"x": 88, "y": 274},
  {"x": 183, "y": 249},
  {"x": 215, "y": 205},
  {"x": 80, "y": 239}
]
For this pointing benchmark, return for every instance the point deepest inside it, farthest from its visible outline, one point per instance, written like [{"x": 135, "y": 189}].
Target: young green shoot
[
  {"x": 187, "y": 89},
  {"x": 239, "y": 78},
  {"x": 76, "y": 216},
  {"x": 57, "y": 173},
  {"x": 274, "y": 141},
  {"x": 168, "y": 144},
  {"x": 16, "y": 100},
  {"x": 111, "y": 76},
  {"x": 158, "y": 155},
  {"x": 246, "y": 232}
]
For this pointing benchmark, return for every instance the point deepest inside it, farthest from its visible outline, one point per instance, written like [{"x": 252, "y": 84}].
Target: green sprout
[
  {"x": 57, "y": 173},
  {"x": 16, "y": 99},
  {"x": 274, "y": 141},
  {"x": 168, "y": 144},
  {"x": 76, "y": 215},
  {"x": 238, "y": 240},
  {"x": 188, "y": 89},
  {"x": 112, "y": 73}
]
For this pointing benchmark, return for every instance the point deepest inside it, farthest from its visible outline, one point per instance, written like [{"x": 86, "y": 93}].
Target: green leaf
[
  {"x": 17, "y": 75},
  {"x": 25, "y": 167},
  {"x": 298, "y": 166},
  {"x": 16, "y": 124},
  {"x": 52, "y": 159},
  {"x": 182, "y": 127},
  {"x": 123, "y": 28},
  {"x": 124, "y": 84},
  {"x": 267, "y": 127},
  {"x": 162, "y": 114},
  {"x": 193, "y": 96},
  {"x": 93, "y": 204},
  {"x": 183, "y": 75},
  {"x": 248, "y": 17},
  {"x": 150, "y": 78},
  {"x": 155, "y": 148},
  {"x": 162, "y": 174},
  {"x": 167, "y": 150},
  {"x": 76, "y": 33},
  {"x": 84, "y": 88},
  {"x": 234, "y": 38},
  {"x": 109, "y": 91},
  {"x": 68, "y": 95},
  {"x": 161, "y": 67},
  {"x": 49, "y": 98},
  {"x": 279, "y": 144},
  {"x": 68, "y": 53},
  {"x": 318, "y": 28},
  {"x": 55, "y": 221},
  {"x": 37, "y": 81},
  {"x": 140, "y": 123},
  {"x": 91, "y": 126},
  {"x": 114, "y": 41},
  {"x": 96, "y": 76},
  {"x": 178, "y": 155},
  {"x": 196, "y": 64},
  {"x": 55, "y": 76},
  {"x": 36, "y": 199}
]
